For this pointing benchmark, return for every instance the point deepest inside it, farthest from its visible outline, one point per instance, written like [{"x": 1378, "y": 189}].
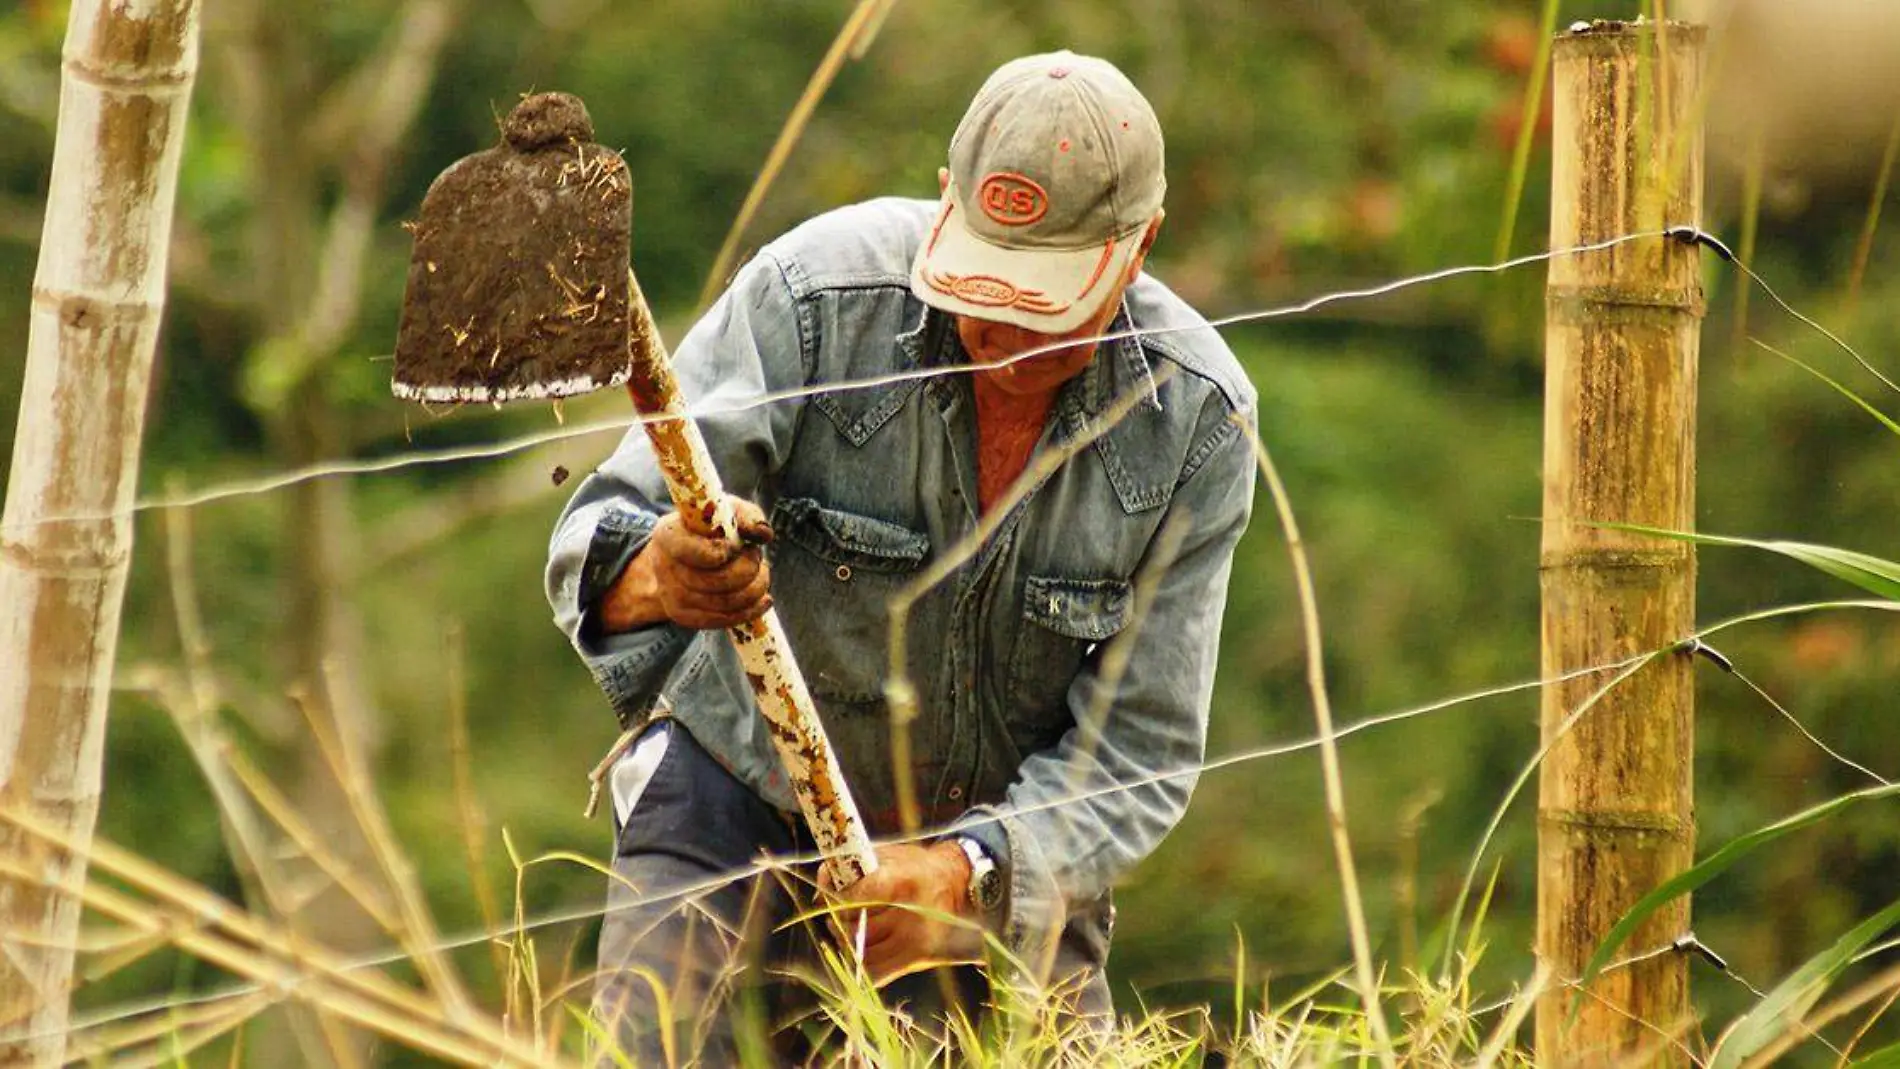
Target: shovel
[{"x": 515, "y": 292}]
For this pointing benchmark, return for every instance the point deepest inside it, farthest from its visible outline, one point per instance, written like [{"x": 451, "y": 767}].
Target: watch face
[
  {"x": 986, "y": 880},
  {"x": 987, "y": 890}
]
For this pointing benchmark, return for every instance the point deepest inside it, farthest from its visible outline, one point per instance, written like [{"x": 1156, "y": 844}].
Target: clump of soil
[
  {"x": 547, "y": 119},
  {"x": 518, "y": 282}
]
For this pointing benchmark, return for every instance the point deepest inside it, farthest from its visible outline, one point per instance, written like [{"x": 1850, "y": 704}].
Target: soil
[{"x": 518, "y": 283}]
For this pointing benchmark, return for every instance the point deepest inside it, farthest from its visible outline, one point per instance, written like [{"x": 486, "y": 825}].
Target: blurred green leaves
[{"x": 1312, "y": 146}]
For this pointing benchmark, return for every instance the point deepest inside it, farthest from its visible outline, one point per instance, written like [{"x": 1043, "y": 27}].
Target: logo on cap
[
  {"x": 1011, "y": 199},
  {"x": 988, "y": 291}
]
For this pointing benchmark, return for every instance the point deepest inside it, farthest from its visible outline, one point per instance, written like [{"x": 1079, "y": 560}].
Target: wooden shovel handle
[{"x": 810, "y": 765}]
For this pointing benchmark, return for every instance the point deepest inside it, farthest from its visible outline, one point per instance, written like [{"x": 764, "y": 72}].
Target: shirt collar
[
  {"x": 1119, "y": 368},
  {"x": 1120, "y": 365}
]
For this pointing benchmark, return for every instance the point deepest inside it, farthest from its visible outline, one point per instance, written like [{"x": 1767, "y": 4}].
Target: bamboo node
[{"x": 1611, "y": 823}]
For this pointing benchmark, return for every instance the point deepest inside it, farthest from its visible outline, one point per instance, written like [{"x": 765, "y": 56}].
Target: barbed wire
[
  {"x": 1688, "y": 944},
  {"x": 1722, "y": 661},
  {"x": 596, "y": 908},
  {"x": 252, "y": 487},
  {"x": 242, "y": 488},
  {"x": 419, "y": 458},
  {"x": 700, "y": 410},
  {"x": 1690, "y": 235}
]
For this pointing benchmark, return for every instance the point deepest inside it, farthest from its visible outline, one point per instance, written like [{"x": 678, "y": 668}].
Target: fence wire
[
  {"x": 700, "y": 410},
  {"x": 596, "y": 909},
  {"x": 1620, "y": 670}
]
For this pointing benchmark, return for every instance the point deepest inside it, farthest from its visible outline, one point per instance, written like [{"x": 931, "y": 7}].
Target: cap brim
[{"x": 1050, "y": 291}]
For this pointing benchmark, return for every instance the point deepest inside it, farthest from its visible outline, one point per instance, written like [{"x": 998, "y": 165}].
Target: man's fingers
[
  {"x": 702, "y": 620},
  {"x": 874, "y": 887},
  {"x": 884, "y": 965},
  {"x": 883, "y": 925},
  {"x": 888, "y": 947},
  {"x": 736, "y": 574},
  {"x": 750, "y": 519},
  {"x": 741, "y": 601},
  {"x": 684, "y": 548}
]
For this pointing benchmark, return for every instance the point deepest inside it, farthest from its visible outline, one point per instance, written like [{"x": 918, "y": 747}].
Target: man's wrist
[
  {"x": 633, "y": 600},
  {"x": 983, "y": 886},
  {"x": 958, "y": 866}
]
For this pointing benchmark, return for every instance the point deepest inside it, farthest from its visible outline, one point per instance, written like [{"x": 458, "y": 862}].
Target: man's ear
[
  {"x": 1147, "y": 242},
  {"x": 943, "y": 180},
  {"x": 1154, "y": 230}
]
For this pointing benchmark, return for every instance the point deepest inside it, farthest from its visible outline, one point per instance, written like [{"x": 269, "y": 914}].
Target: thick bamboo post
[
  {"x": 1615, "y": 809},
  {"x": 97, "y": 300}
]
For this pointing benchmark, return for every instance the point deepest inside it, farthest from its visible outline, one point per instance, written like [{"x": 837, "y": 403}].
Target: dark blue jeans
[{"x": 714, "y": 959}]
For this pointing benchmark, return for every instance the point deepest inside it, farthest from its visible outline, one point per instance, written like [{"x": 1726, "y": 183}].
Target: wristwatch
[{"x": 986, "y": 880}]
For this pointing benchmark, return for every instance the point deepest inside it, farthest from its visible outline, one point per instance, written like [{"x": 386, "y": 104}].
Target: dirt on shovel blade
[{"x": 518, "y": 283}]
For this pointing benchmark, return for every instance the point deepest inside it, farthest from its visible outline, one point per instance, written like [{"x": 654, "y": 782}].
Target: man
[{"x": 1042, "y": 778}]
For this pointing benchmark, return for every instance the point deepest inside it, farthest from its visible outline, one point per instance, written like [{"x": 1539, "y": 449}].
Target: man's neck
[
  {"x": 996, "y": 406},
  {"x": 1008, "y": 426}
]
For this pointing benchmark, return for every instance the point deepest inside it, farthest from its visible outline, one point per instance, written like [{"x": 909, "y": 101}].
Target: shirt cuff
[{"x": 618, "y": 536}]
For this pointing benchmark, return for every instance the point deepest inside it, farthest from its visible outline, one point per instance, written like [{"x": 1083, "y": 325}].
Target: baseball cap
[{"x": 1055, "y": 171}]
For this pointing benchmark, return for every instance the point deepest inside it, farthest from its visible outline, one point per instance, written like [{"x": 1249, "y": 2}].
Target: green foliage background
[{"x": 1312, "y": 146}]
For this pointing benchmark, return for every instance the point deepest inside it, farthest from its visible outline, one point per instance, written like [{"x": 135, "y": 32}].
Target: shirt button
[{"x": 956, "y": 793}]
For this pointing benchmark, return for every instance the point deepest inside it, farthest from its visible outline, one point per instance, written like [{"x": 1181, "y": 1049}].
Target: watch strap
[{"x": 986, "y": 879}]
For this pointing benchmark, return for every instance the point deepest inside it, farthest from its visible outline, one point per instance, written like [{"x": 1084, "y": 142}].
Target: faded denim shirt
[{"x": 1035, "y": 735}]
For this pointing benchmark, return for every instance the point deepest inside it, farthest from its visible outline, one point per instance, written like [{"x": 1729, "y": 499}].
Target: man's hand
[
  {"x": 692, "y": 580},
  {"x": 909, "y": 894}
]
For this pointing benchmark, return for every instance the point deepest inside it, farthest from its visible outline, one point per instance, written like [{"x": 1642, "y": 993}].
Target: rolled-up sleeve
[
  {"x": 1082, "y": 814},
  {"x": 750, "y": 344}
]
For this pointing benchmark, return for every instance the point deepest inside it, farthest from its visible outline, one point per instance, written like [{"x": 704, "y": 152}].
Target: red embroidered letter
[{"x": 1012, "y": 199}]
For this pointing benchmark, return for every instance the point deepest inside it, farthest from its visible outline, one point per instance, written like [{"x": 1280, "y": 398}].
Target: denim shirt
[{"x": 1034, "y": 734}]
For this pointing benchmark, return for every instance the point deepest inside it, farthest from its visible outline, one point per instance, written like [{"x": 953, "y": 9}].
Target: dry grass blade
[
  {"x": 1665, "y": 1037},
  {"x": 281, "y": 961},
  {"x": 852, "y": 40},
  {"x": 416, "y": 929},
  {"x": 1628, "y": 668},
  {"x": 1847, "y": 1050},
  {"x": 124, "y": 950},
  {"x": 1527, "y": 129},
  {"x": 1520, "y": 1009},
  {"x": 900, "y": 695},
  {"x": 195, "y": 713},
  {"x": 1752, "y": 175},
  {"x": 1328, "y": 751},
  {"x": 371, "y": 899},
  {"x": 474, "y": 821},
  {"x": 267, "y": 883},
  {"x": 867, "y": 33},
  {"x": 280, "y": 967},
  {"x": 1885, "y": 982},
  {"x": 169, "y": 1038},
  {"x": 1121, "y": 652},
  {"x": 1864, "y": 249}
]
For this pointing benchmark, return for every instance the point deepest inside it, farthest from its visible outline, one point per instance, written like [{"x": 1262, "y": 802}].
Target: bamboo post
[
  {"x": 97, "y": 299},
  {"x": 1615, "y": 814}
]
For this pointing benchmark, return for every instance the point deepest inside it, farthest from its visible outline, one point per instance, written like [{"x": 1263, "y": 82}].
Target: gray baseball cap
[{"x": 1055, "y": 171}]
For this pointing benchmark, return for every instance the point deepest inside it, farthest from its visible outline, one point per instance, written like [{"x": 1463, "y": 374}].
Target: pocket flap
[
  {"x": 847, "y": 538},
  {"x": 1088, "y": 609}
]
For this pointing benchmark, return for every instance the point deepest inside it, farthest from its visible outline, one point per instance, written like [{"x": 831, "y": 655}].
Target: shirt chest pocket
[
  {"x": 1064, "y": 620},
  {"x": 833, "y": 576}
]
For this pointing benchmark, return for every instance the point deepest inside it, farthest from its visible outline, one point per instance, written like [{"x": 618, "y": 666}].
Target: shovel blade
[{"x": 518, "y": 283}]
